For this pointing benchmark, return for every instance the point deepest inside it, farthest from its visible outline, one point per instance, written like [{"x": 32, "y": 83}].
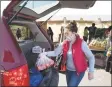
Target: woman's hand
[
  {"x": 43, "y": 54},
  {"x": 90, "y": 75}
]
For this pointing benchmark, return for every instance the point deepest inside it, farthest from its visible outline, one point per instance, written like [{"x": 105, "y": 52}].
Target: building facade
[{"x": 56, "y": 26}]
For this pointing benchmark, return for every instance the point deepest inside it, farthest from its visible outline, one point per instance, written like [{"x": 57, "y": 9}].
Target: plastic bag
[
  {"x": 37, "y": 49},
  {"x": 43, "y": 62}
]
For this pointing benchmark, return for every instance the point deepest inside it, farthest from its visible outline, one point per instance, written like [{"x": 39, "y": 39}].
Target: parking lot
[{"x": 101, "y": 78}]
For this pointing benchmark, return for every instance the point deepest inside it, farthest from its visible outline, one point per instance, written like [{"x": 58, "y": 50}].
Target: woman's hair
[{"x": 72, "y": 26}]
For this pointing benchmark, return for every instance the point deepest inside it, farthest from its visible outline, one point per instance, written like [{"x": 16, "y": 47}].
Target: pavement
[{"x": 101, "y": 78}]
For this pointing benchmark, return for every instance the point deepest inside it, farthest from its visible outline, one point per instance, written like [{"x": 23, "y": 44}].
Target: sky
[
  {"x": 3, "y": 5},
  {"x": 34, "y": 4},
  {"x": 101, "y": 9}
]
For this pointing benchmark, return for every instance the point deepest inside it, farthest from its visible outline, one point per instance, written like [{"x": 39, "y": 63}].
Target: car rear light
[{"x": 16, "y": 77}]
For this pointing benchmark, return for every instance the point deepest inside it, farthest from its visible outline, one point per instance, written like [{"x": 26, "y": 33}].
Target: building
[{"x": 56, "y": 26}]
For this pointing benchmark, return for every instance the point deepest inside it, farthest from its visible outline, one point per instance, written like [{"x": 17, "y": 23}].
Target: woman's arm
[
  {"x": 56, "y": 52},
  {"x": 89, "y": 55}
]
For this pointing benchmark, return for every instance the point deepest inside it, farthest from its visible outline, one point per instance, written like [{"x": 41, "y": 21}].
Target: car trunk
[{"x": 26, "y": 46}]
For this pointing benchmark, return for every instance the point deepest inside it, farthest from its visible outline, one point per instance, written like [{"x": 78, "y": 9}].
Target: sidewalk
[{"x": 101, "y": 78}]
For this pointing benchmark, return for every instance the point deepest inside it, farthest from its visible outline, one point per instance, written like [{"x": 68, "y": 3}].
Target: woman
[
  {"x": 75, "y": 51},
  {"x": 85, "y": 37}
]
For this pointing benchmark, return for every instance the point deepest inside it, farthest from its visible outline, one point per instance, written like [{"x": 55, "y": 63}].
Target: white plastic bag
[
  {"x": 37, "y": 49},
  {"x": 43, "y": 62}
]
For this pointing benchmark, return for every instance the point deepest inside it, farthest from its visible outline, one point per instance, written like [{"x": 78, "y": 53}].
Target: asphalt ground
[{"x": 101, "y": 78}]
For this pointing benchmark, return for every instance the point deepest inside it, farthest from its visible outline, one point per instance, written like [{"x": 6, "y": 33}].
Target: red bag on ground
[{"x": 63, "y": 68}]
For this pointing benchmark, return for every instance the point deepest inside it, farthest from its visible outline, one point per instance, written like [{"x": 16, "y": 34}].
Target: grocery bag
[
  {"x": 37, "y": 49},
  {"x": 43, "y": 62}
]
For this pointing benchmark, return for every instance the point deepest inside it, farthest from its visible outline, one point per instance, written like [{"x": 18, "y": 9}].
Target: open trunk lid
[{"x": 36, "y": 9}]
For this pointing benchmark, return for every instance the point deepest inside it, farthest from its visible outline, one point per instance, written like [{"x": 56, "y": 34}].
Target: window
[
  {"x": 40, "y": 6},
  {"x": 21, "y": 32}
]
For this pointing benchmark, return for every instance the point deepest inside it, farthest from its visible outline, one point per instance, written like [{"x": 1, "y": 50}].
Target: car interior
[{"x": 26, "y": 44}]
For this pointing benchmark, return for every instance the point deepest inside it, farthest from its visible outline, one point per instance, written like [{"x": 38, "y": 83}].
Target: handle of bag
[{"x": 58, "y": 60}]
